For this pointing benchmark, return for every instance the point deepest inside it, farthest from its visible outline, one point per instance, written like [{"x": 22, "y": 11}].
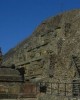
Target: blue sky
[{"x": 19, "y": 18}]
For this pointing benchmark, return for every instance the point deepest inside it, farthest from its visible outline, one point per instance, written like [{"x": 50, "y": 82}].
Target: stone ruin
[{"x": 51, "y": 57}]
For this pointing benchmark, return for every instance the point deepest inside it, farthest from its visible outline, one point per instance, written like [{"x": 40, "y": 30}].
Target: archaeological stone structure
[{"x": 51, "y": 57}]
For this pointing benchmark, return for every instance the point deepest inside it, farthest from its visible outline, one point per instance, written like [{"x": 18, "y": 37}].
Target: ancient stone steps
[
  {"x": 76, "y": 60},
  {"x": 21, "y": 99}
]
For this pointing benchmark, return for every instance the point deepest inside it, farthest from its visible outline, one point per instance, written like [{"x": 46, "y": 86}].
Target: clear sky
[{"x": 19, "y": 18}]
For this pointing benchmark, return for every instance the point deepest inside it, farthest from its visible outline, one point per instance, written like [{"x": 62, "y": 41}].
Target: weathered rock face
[{"x": 48, "y": 55}]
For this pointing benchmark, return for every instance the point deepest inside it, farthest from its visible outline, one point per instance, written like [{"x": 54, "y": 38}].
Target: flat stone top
[
  {"x": 9, "y": 71},
  {"x": 9, "y": 74}
]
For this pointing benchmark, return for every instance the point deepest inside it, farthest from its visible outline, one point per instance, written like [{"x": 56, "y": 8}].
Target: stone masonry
[{"x": 47, "y": 55}]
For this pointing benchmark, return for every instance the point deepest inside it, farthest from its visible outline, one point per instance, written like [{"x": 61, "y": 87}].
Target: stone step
[{"x": 21, "y": 99}]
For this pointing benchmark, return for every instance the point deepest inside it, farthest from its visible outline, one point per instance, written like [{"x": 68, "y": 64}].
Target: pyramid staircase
[
  {"x": 76, "y": 82},
  {"x": 77, "y": 63}
]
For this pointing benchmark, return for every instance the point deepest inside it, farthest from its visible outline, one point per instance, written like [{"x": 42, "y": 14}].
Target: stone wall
[{"x": 47, "y": 53}]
